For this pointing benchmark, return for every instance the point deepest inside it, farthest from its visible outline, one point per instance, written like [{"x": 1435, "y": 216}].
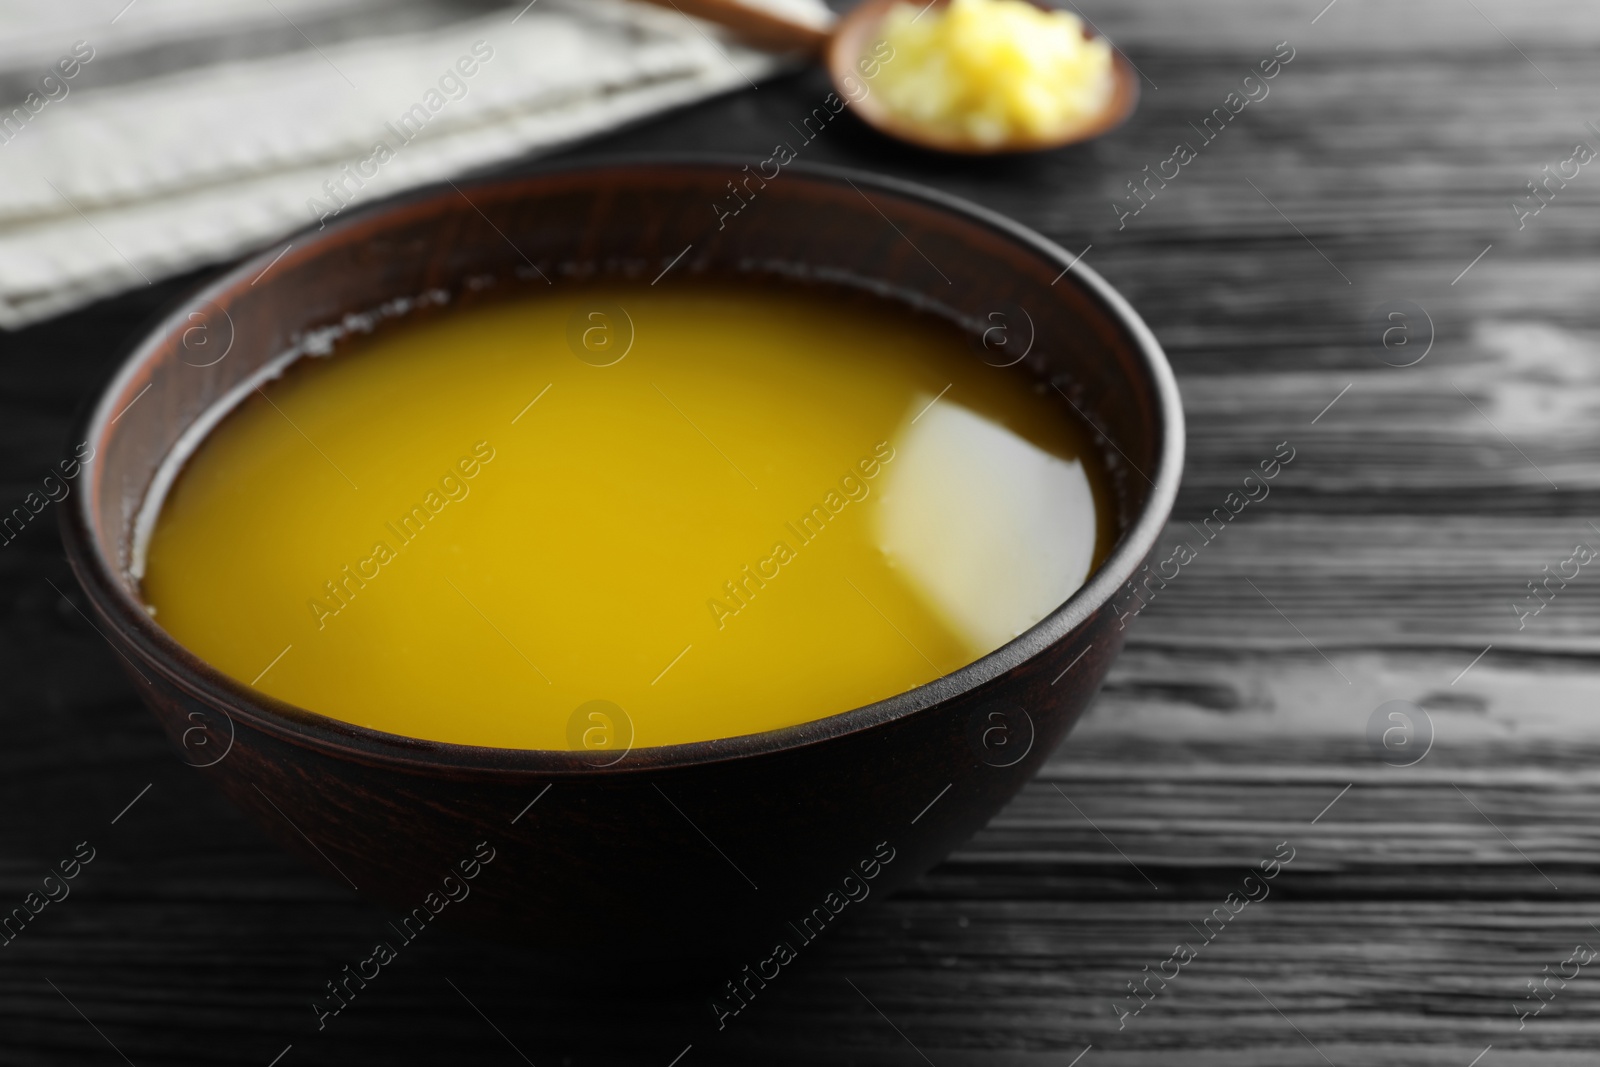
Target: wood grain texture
[{"x": 1417, "y": 907}]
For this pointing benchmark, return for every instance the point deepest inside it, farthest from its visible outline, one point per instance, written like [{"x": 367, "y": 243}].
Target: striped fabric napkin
[{"x": 143, "y": 139}]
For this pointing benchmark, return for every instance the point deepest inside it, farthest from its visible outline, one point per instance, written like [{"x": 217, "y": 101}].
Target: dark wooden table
[{"x": 1390, "y": 556}]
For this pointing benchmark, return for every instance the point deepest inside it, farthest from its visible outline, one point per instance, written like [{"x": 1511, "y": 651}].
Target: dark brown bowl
[{"x": 683, "y": 850}]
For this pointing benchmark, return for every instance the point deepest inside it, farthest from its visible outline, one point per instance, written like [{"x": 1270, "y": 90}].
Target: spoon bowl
[
  {"x": 842, "y": 47},
  {"x": 854, "y": 36}
]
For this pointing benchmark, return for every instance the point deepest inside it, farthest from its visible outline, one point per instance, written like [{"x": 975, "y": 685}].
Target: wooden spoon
[{"x": 842, "y": 46}]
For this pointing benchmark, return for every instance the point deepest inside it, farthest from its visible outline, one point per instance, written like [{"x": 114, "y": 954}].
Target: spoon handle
[{"x": 757, "y": 26}]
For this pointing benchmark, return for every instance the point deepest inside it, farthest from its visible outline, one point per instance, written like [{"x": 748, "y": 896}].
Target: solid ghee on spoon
[{"x": 714, "y": 511}]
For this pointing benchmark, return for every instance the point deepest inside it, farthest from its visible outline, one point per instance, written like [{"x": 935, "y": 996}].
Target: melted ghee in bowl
[{"x": 603, "y": 518}]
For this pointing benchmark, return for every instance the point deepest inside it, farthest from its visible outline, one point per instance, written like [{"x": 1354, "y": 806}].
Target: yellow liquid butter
[{"x": 740, "y": 509}]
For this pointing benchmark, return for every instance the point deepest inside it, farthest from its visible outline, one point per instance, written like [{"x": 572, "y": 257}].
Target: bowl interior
[{"x": 666, "y": 223}]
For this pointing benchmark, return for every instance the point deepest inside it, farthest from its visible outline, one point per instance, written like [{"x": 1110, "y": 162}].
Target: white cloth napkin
[{"x": 169, "y": 149}]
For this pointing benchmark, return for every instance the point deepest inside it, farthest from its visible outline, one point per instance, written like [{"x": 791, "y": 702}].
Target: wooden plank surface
[{"x": 1386, "y": 559}]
